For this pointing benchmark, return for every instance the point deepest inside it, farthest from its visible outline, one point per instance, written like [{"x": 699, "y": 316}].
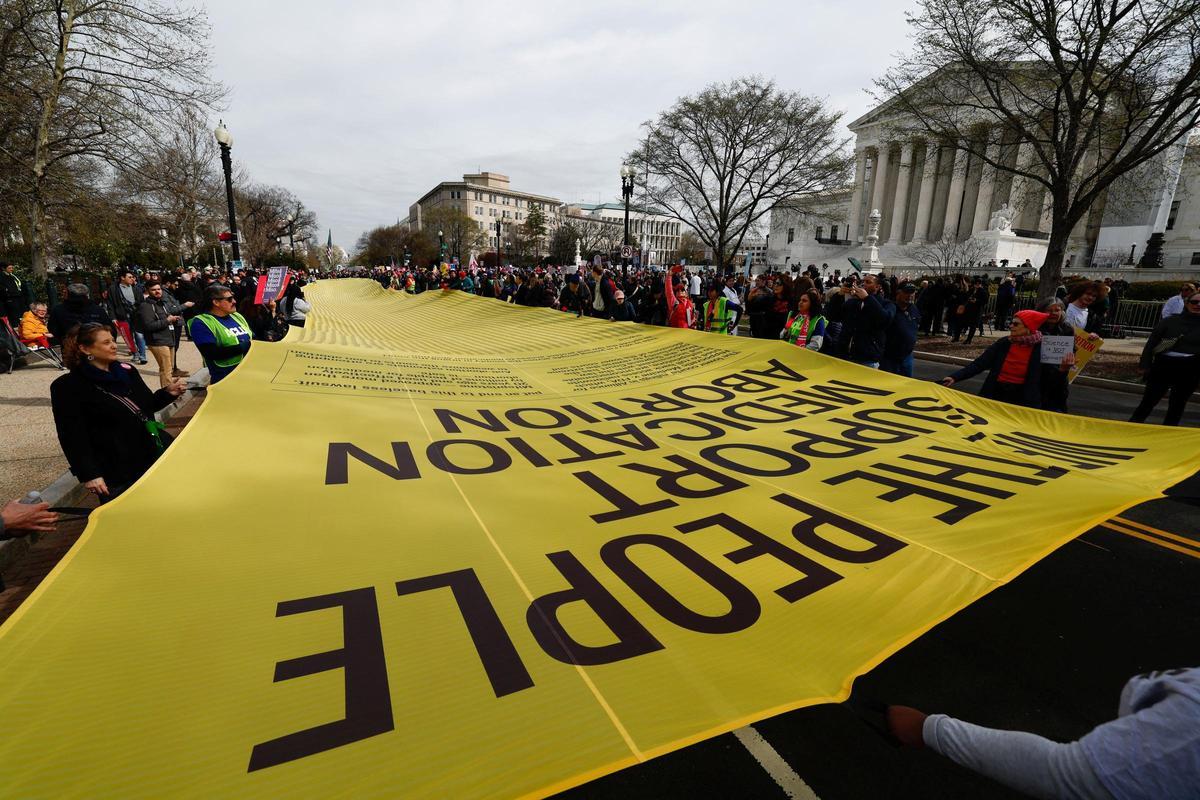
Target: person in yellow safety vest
[
  {"x": 806, "y": 327},
  {"x": 221, "y": 334},
  {"x": 719, "y": 312}
]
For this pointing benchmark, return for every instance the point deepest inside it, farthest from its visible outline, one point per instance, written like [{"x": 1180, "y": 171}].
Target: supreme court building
[{"x": 926, "y": 189}]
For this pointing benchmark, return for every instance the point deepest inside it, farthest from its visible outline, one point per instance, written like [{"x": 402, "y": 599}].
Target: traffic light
[{"x": 225, "y": 236}]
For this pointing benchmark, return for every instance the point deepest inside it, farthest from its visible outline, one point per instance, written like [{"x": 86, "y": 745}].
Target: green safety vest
[
  {"x": 224, "y": 337},
  {"x": 722, "y": 320},
  {"x": 800, "y": 326}
]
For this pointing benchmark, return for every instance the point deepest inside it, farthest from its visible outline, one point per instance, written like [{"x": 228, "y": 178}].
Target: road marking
[
  {"x": 1156, "y": 532},
  {"x": 1194, "y": 553},
  {"x": 774, "y": 765},
  {"x": 1081, "y": 540}
]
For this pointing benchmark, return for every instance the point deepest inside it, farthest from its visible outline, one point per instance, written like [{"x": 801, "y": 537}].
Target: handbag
[{"x": 156, "y": 430}]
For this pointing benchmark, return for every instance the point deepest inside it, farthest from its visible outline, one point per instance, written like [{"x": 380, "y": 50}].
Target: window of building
[
  {"x": 791, "y": 235},
  {"x": 1195, "y": 259},
  {"x": 820, "y": 231},
  {"x": 491, "y": 198},
  {"x": 833, "y": 232},
  {"x": 479, "y": 210},
  {"x": 1171, "y": 217}
]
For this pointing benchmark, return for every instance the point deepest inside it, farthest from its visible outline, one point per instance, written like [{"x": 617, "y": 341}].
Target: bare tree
[
  {"x": 948, "y": 254},
  {"x": 719, "y": 161},
  {"x": 1065, "y": 95},
  {"x": 392, "y": 243},
  {"x": 178, "y": 176},
  {"x": 463, "y": 235},
  {"x": 106, "y": 74},
  {"x": 592, "y": 233},
  {"x": 266, "y": 217}
]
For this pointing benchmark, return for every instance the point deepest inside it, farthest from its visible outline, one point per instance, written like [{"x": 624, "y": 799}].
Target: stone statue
[
  {"x": 578, "y": 258},
  {"x": 1002, "y": 218}
]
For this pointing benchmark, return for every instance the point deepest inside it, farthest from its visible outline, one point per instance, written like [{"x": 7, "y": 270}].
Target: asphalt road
[
  {"x": 1047, "y": 653},
  {"x": 1084, "y": 400}
]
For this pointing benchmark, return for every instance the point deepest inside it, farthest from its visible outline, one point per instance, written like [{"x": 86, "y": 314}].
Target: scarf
[
  {"x": 115, "y": 380},
  {"x": 1016, "y": 363}
]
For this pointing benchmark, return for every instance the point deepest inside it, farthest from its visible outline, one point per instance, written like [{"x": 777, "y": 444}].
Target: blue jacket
[{"x": 902, "y": 333}]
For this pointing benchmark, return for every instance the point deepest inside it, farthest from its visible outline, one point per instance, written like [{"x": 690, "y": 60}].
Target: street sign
[
  {"x": 626, "y": 251},
  {"x": 237, "y": 266}
]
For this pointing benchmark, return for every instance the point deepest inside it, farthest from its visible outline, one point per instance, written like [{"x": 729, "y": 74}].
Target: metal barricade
[{"x": 1133, "y": 317}]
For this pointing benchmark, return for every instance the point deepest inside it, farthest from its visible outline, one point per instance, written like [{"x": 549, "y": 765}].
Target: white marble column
[
  {"x": 1046, "y": 219},
  {"x": 860, "y": 173},
  {"x": 987, "y": 186},
  {"x": 925, "y": 198},
  {"x": 881, "y": 170},
  {"x": 900, "y": 204},
  {"x": 958, "y": 179},
  {"x": 1020, "y": 184}
]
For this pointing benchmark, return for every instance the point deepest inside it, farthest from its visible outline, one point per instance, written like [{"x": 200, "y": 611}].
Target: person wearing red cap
[{"x": 1014, "y": 363}]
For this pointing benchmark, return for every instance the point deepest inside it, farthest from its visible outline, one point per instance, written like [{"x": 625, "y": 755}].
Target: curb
[
  {"x": 66, "y": 490},
  {"x": 1082, "y": 380}
]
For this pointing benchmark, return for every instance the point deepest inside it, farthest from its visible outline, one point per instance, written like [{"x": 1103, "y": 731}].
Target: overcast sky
[{"x": 361, "y": 106}]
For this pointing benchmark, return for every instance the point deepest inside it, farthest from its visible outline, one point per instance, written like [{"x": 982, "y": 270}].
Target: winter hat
[{"x": 1032, "y": 319}]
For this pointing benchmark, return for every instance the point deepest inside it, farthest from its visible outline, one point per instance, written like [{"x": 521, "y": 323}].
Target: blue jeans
[
  {"x": 898, "y": 366},
  {"x": 141, "y": 345}
]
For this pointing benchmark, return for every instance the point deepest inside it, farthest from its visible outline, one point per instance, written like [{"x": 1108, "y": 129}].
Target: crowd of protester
[
  {"x": 105, "y": 413},
  {"x": 871, "y": 320}
]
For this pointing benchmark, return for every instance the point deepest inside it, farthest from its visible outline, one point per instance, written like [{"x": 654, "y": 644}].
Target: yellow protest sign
[
  {"x": 1085, "y": 348},
  {"x": 440, "y": 546}
]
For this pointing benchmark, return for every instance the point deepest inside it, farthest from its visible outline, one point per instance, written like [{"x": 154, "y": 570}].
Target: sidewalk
[
  {"x": 31, "y": 458},
  {"x": 35, "y": 560}
]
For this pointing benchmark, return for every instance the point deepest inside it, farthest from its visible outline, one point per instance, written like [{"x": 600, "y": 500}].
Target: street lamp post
[
  {"x": 291, "y": 229},
  {"x": 499, "y": 244},
  {"x": 626, "y": 192},
  {"x": 225, "y": 140},
  {"x": 442, "y": 246}
]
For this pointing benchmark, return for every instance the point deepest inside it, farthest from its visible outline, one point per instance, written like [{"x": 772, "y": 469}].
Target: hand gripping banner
[{"x": 441, "y": 546}]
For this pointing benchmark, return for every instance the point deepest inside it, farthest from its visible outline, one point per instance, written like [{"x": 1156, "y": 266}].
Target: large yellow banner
[{"x": 439, "y": 546}]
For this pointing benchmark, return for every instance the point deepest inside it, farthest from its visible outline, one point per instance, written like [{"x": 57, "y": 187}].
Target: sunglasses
[
  {"x": 227, "y": 297},
  {"x": 1193, "y": 302}
]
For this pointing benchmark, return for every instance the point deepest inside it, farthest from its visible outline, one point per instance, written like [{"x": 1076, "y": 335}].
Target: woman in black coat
[
  {"x": 104, "y": 414},
  {"x": 1014, "y": 364}
]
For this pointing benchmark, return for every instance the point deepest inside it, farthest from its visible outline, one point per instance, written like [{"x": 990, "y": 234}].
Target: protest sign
[
  {"x": 476, "y": 549},
  {"x": 272, "y": 285},
  {"x": 1085, "y": 348},
  {"x": 1055, "y": 348}
]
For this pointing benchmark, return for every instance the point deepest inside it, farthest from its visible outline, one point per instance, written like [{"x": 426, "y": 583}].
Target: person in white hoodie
[{"x": 1151, "y": 750}]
